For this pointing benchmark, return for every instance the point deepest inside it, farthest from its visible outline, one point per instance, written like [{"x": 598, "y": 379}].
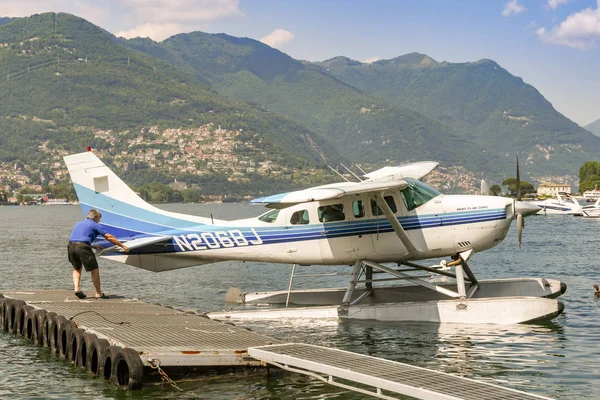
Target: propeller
[
  {"x": 520, "y": 219},
  {"x": 522, "y": 208}
]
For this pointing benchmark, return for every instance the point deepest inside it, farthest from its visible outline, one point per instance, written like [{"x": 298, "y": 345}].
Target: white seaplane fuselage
[{"x": 440, "y": 227}]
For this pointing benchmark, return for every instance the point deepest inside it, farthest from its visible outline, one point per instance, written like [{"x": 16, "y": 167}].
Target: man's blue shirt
[{"x": 87, "y": 231}]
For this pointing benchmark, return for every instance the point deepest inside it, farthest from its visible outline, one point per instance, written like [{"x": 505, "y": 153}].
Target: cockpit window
[
  {"x": 269, "y": 216},
  {"x": 333, "y": 212},
  {"x": 417, "y": 193}
]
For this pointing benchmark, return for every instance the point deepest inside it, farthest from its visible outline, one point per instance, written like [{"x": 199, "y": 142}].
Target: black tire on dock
[
  {"x": 96, "y": 356},
  {"x": 127, "y": 369},
  {"x": 64, "y": 332},
  {"x": 3, "y": 314},
  {"x": 59, "y": 334},
  {"x": 30, "y": 330},
  {"x": 83, "y": 356},
  {"x": 21, "y": 319},
  {"x": 13, "y": 314},
  {"x": 76, "y": 340},
  {"x": 47, "y": 328},
  {"x": 106, "y": 364},
  {"x": 40, "y": 316}
]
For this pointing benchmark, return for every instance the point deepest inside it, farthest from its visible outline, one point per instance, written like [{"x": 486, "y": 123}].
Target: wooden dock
[
  {"x": 127, "y": 341},
  {"x": 122, "y": 338}
]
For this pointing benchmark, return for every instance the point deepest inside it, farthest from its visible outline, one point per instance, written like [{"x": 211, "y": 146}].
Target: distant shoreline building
[{"x": 552, "y": 188}]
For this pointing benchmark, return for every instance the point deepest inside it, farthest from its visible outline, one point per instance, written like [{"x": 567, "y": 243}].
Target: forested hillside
[
  {"x": 365, "y": 128},
  {"x": 481, "y": 100},
  {"x": 68, "y": 84}
]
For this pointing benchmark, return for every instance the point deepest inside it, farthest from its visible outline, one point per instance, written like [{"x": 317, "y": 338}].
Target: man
[{"x": 80, "y": 250}]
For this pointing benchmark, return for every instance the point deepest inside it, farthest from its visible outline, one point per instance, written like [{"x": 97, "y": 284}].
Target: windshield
[
  {"x": 417, "y": 193},
  {"x": 269, "y": 216}
]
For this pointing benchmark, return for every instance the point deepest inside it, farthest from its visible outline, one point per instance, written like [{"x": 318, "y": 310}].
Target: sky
[{"x": 552, "y": 45}]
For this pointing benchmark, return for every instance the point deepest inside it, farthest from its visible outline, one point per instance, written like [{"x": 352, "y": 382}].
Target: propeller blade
[
  {"x": 518, "y": 181},
  {"x": 520, "y": 226}
]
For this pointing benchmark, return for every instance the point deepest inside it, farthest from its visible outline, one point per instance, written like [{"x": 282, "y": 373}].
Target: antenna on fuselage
[
  {"x": 348, "y": 169},
  {"x": 343, "y": 177},
  {"x": 361, "y": 170}
]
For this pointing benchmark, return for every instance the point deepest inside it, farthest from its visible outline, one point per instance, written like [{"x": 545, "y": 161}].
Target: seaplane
[{"x": 383, "y": 223}]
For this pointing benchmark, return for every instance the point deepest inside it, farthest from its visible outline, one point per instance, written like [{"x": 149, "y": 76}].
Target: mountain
[
  {"x": 482, "y": 101},
  {"x": 68, "y": 83},
  {"x": 212, "y": 110},
  {"x": 365, "y": 128},
  {"x": 594, "y": 127}
]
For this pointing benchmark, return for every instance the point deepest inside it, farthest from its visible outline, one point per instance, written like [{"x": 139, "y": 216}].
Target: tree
[
  {"x": 511, "y": 183},
  {"x": 495, "y": 190},
  {"x": 589, "y": 176}
]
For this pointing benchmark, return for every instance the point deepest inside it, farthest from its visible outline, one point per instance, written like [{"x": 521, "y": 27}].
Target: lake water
[{"x": 557, "y": 359}]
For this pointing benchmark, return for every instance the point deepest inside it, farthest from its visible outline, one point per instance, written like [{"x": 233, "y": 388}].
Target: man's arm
[{"x": 116, "y": 242}]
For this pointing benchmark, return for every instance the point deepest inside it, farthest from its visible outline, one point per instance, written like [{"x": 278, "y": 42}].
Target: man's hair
[{"x": 93, "y": 214}]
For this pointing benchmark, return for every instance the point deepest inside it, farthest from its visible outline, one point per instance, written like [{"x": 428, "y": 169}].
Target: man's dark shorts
[{"x": 81, "y": 253}]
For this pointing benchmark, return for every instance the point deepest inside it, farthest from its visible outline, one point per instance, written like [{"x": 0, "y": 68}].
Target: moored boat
[{"x": 561, "y": 203}]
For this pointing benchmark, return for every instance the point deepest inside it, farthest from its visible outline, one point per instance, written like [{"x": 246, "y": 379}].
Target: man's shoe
[
  {"x": 80, "y": 294},
  {"x": 102, "y": 296}
]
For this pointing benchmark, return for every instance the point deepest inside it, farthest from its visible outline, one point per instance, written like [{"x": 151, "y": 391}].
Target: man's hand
[{"x": 125, "y": 249}]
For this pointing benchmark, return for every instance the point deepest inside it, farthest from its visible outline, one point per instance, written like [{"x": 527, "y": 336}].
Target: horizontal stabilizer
[
  {"x": 135, "y": 244},
  {"x": 158, "y": 262}
]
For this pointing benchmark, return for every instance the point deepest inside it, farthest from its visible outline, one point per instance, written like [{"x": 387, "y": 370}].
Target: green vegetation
[
  {"x": 526, "y": 187},
  {"x": 589, "y": 176},
  {"x": 495, "y": 190}
]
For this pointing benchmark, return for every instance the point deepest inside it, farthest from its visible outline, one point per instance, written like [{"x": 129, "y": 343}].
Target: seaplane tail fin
[
  {"x": 97, "y": 186},
  {"x": 124, "y": 214}
]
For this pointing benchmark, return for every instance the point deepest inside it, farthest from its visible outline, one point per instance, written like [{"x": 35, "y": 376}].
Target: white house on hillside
[{"x": 551, "y": 188}]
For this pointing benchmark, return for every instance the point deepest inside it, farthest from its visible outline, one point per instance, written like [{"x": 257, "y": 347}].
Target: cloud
[
  {"x": 580, "y": 30},
  {"x": 87, "y": 9},
  {"x": 156, "y": 19},
  {"x": 512, "y": 7},
  {"x": 277, "y": 38},
  {"x": 553, "y": 4},
  {"x": 181, "y": 11},
  {"x": 157, "y": 32},
  {"x": 371, "y": 60}
]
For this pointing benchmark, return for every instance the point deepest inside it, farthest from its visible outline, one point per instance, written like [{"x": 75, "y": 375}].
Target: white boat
[
  {"x": 592, "y": 211},
  {"x": 561, "y": 203},
  {"x": 57, "y": 202},
  {"x": 592, "y": 195}
]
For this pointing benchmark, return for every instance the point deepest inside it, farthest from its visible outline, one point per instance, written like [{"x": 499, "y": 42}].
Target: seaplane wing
[
  {"x": 328, "y": 192},
  {"x": 416, "y": 170},
  {"x": 384, "y": 179}
]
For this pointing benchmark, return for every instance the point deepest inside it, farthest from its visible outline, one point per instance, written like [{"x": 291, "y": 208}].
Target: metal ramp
[{"x": 386, "y": 379}]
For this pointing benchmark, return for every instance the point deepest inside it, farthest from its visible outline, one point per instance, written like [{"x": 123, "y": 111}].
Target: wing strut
[{"x": 389, "y": 215}]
